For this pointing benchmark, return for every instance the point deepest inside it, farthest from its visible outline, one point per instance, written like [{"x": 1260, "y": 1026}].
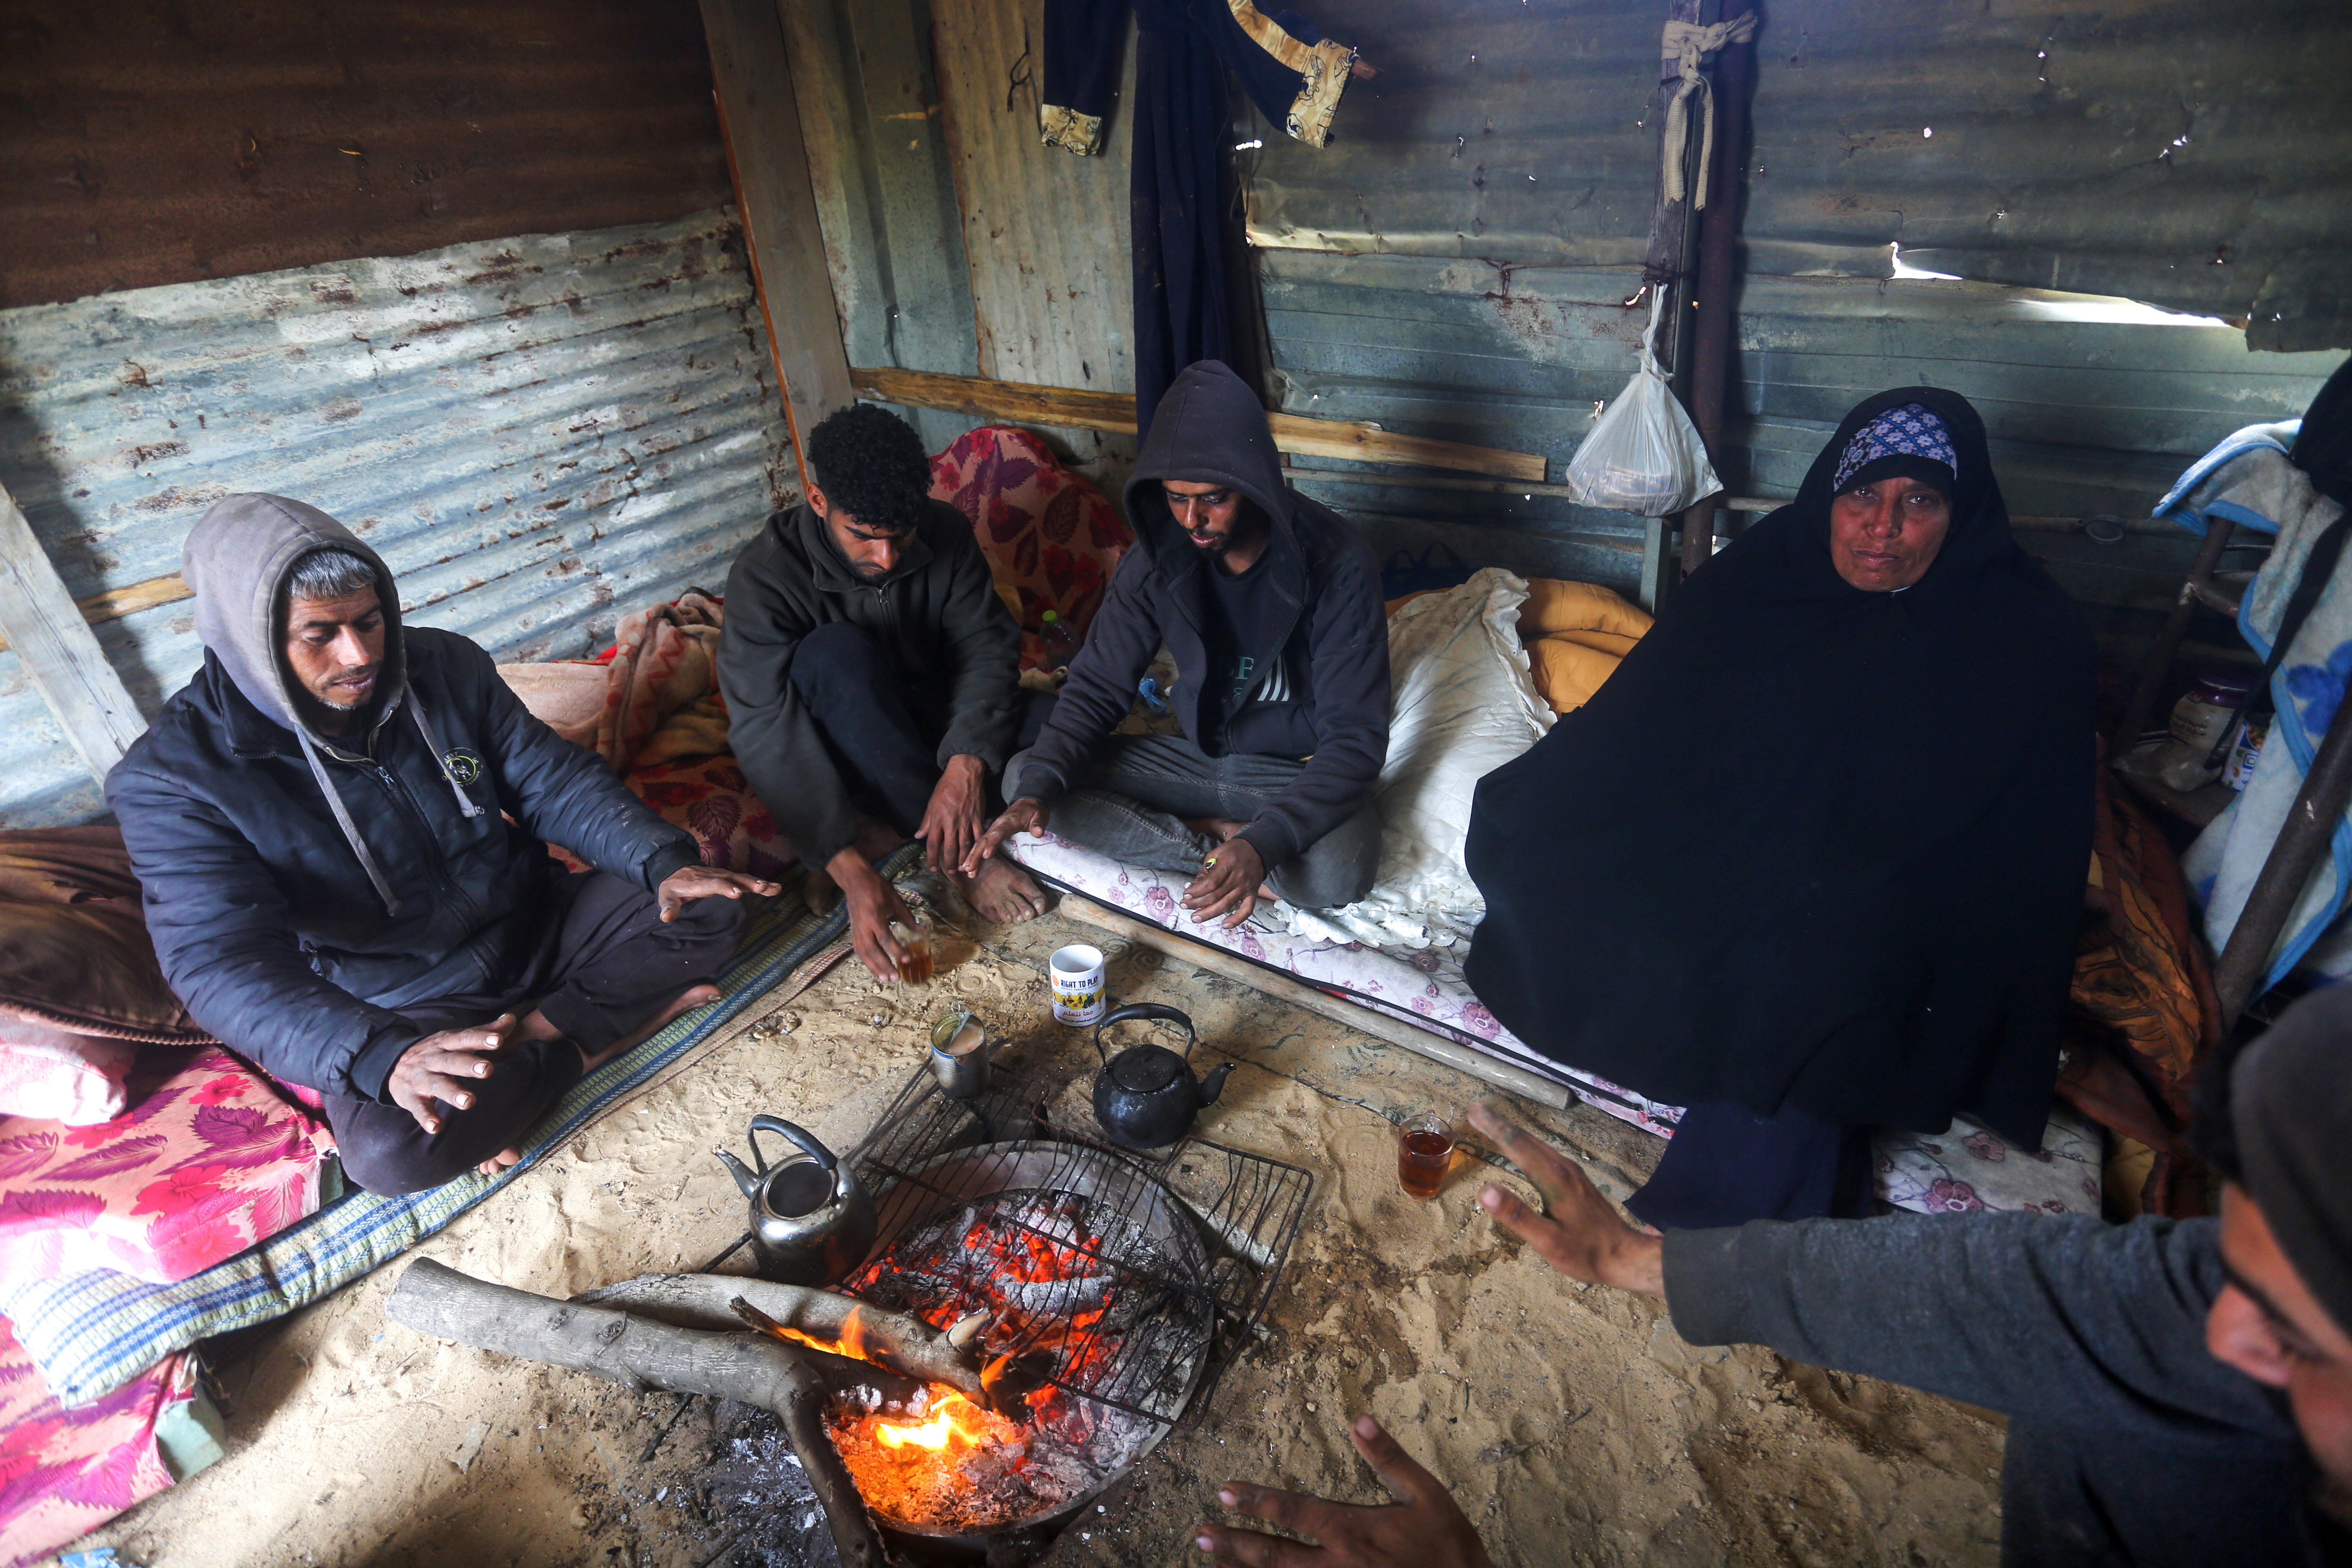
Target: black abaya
[{"x": 1811, "y": 847}]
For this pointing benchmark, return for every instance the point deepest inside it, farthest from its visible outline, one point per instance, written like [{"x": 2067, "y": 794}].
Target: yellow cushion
[
  {"x": 1566, "y": 673},
  {"x": 1557, "y": 605}
]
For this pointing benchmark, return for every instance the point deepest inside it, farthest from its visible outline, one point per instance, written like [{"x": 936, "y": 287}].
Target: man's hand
[
  {"x": 873, "y": 905},
  {"x": 681, "y": 887},
  {"x": 1024, "y": 815},
  {"x": 1228, "y": 879},
  {"x": 1427, "y": 1529},
  {"x": 1578, "y": 1234},
  {"x": 438, "y": 1066},
  {"x": 952, "y": 822}
]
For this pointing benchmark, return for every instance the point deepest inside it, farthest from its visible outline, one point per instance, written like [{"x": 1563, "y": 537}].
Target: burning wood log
[
  {"x": 824, "y": 1320},
  {"x": 641, "y": 1352}
]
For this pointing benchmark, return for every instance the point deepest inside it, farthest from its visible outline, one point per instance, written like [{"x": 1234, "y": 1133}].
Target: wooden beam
[
  {"x": 1285, "y": 988},
  {"x": 1071, "y": 409},
  {"x": 760, "y": 121},
  {"x": 52, "y": 638}
]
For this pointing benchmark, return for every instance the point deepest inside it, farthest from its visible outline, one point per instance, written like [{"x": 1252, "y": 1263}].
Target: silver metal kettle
[{"x": 812, "y": 1221}]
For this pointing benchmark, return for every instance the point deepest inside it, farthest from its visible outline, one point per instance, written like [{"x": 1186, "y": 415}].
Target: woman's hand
[{"x": 1425, "y": 1528}]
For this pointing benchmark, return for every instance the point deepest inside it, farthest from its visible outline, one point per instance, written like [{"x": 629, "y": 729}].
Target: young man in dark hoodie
[
  {"x": 341, "y": 829},
  {"x": 1271, "y": 605},
  {"x": 866, "y": 652},
  {"x": 2179, "y": 1393}
]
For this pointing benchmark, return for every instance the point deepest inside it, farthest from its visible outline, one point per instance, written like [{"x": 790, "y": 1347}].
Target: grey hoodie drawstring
[
  {"x": 343, "y": 821},
  {"x": 440, "y": 761}
]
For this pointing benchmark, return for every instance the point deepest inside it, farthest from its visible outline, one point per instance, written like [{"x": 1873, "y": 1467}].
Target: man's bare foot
[
  {"x": 685, "y": 1002},
  {"x": 820, "y": 892},
  {"x": 498, "y": 1162},
  {"x": 1001, "y": 892}
]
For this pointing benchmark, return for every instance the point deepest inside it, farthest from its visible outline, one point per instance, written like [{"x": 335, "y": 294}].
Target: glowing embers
[{"x": 1023, "y": 1277}]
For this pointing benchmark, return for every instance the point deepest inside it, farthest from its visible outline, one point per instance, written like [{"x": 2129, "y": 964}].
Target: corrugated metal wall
[
  {"x": 537, "y": 434},
  {"x": 2192, "y": 153},
  {"x": 957, "y": 243},
  {"x": 1454, "y": 263},
  {"x": 153, "y": 142}
]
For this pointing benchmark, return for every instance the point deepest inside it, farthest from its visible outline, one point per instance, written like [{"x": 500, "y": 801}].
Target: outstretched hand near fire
[{"x": 1426, "y": 1527}]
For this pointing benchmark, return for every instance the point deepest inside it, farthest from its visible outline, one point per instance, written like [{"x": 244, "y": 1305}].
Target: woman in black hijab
[{"x": 1814, "y": 859}]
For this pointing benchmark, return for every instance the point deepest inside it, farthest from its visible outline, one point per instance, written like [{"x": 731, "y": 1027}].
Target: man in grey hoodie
[
  {"x": 2179, "y": 1393},
  {"x": 339, "y": 826}
]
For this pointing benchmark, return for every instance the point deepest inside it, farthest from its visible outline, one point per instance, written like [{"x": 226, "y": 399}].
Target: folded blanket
[{"x": 1463, "y": 705}]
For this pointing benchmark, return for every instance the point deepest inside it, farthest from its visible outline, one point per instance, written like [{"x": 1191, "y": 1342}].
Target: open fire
[{"x": 1025, "y": 1275}]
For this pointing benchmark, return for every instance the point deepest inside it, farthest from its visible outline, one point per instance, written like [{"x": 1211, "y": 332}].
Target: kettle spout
[
  {"x": 1213, "y": 1085},
  {"x": 744, "y": 1179}
]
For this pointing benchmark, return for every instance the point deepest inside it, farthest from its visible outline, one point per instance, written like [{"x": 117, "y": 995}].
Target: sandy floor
[{"x": 1573, "y": 1425}]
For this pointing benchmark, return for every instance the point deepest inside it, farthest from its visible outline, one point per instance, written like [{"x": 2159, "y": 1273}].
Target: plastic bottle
[{"x": 1056, "y": 644}]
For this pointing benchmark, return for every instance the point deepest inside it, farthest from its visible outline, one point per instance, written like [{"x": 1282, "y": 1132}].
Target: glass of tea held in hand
[
  {"x": 1424, "y": 1154},
  {"x": 913, "y": 936}
]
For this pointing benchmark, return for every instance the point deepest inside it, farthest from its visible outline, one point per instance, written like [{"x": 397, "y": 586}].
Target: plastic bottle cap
[{"x": 1049, "y": 617}]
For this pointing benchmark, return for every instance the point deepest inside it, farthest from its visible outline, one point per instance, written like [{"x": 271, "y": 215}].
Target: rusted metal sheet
[
  {"x": 144, "y": 142},
  {"x": 537, "y": 434},
  {"x": 2192, "y": 153}
]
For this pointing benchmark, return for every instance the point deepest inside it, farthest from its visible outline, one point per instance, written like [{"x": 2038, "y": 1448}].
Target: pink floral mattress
[
  {"x": 1965, "y": 1169},
  {"x": 63, "y": 1473},
  {"x": 207, "y": 1158}
]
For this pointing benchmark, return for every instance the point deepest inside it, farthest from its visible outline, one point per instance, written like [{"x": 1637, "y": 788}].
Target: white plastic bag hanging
[{"x": 1643, "y": 455}]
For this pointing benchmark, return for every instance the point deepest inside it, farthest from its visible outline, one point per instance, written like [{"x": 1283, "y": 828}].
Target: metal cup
[{"x": 959, "y": 1055}]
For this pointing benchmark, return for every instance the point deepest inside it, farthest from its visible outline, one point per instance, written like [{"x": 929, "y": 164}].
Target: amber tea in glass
[
  {"x": 914, "y": 939},
  {"x": 1424, "y": 1154}
]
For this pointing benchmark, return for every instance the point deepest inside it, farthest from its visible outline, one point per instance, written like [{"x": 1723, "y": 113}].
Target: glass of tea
[
  {"x": 913, "y": 936},
  {"x": 1424, "y": 1154}
]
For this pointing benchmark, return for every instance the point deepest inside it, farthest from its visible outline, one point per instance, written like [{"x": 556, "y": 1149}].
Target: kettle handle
[
  {"x": 1146, "y": 1010},
  {"x": 809, "y": 1145}
]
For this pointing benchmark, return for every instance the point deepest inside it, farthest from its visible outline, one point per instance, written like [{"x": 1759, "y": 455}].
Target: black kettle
[{"x": 1145, "y": 1096}]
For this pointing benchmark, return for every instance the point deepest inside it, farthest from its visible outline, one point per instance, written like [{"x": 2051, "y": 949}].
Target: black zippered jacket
[
  {"x": 291, "y": 937},
  {"x": 1326, "y": 630},
  {"x": 955, "y": 647}
]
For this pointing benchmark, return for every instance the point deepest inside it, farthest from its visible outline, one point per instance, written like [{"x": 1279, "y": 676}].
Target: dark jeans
[
  {"x": 876, "y": 736},
  {"x": 1136, "y": 798},
  {"x": 1725, "y": 1165},
  {"x": 883, "y": 740},
  {"x": 603, "y": 966}
]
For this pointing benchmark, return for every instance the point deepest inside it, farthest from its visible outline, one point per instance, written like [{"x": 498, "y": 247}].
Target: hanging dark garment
[
  {"x": 1813, "y": 845},
  {"x": 1183, "y": 50}
]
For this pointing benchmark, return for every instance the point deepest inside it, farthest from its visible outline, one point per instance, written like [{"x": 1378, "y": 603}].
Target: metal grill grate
[{"x": 1133, "y": 1280}]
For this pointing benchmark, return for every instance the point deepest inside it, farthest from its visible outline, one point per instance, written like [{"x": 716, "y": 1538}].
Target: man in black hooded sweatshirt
[
  {"x": 1271, "y": 605},
  {"x": 340, "y": 827}
]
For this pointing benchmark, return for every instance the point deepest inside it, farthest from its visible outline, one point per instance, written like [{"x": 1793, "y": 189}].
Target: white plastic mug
[{"x": 1076, "y": 972}]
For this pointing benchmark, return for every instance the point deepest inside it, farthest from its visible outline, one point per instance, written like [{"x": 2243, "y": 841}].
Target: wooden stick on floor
[{"x": 638, "y": 1353}]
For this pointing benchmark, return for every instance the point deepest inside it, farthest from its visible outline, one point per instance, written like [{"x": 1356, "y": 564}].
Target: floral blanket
[
  {"x": 1966, "y": 1168},
  {"x": 207, "y": 1159},
  {"x": 1051, "y": 538},
  {"x": 63, "y": 1473}
]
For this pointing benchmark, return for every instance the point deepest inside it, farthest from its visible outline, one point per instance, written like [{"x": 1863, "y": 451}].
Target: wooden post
[
  {"x": 60, "y": 653},
  {"x": 759, "y": 120}
]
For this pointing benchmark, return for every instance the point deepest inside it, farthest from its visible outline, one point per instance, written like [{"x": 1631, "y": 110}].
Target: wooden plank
[
  {"x": 59, "y": 650},
  {"x": 1076, "y": 409},
  {"x": 760, "y": 121},
  {"x": 1283, "y": 987},
  {"x": 116, "y": 603}
]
